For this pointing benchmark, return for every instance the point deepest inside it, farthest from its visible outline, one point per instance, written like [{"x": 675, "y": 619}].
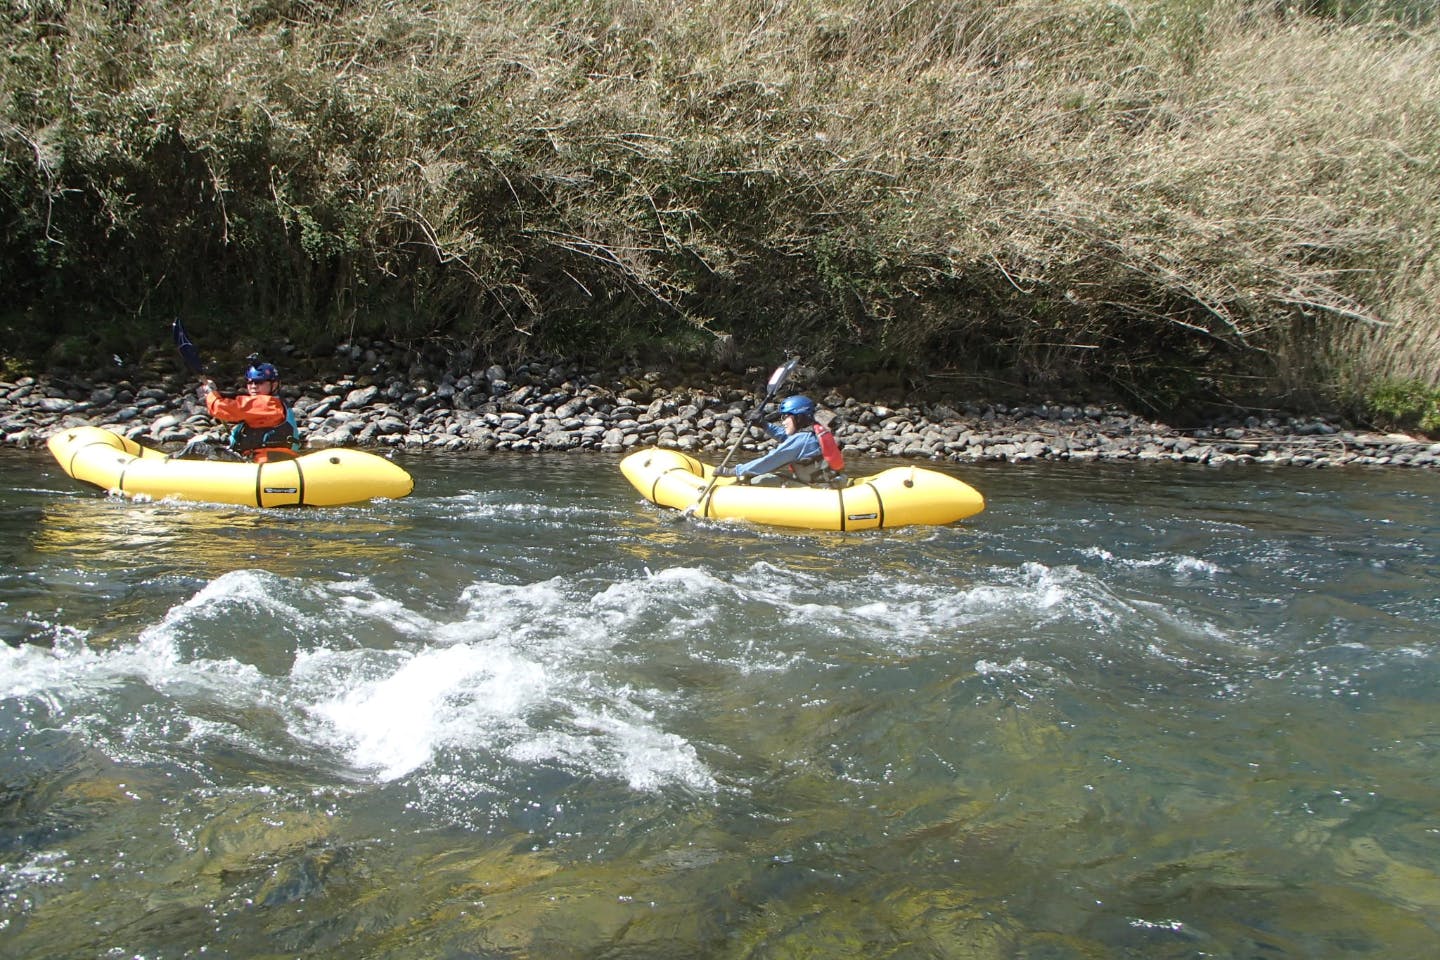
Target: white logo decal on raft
[
  {"x": 280, "y": 489},
  {"x": 861, "y": 516}
]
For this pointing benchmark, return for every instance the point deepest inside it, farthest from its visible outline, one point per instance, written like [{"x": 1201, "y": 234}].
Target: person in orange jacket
[{"x": 265, "y": 426}]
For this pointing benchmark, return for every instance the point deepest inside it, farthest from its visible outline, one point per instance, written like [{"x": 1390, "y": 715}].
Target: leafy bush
[{"x": 1406, "y": 404}]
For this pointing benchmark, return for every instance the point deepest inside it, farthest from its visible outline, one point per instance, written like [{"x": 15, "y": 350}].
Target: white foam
[
  {"x": 516, "y": 675},
  {"x": 259, "y": 592},
  {"x": 398, "y": 713},
  {"x": 986, "y": 668},
  {"x": 1183, "y": 565},
  {"x": 525, "y": 673},
  {"x": 440, "y": 697},
  {"x": 645, "y": 757},
  {"x": 1197, "y": 567}
]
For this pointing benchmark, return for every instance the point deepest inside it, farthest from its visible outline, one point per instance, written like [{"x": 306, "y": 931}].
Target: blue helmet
[
  {"x": 262, "y": 371},
  {"x": 797, "y": 406}
]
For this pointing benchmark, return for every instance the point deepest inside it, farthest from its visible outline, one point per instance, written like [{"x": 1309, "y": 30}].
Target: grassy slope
[{"x": 1162, "y": 198}]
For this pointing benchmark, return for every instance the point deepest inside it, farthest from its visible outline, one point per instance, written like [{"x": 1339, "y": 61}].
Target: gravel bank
[{"x": 372, "y": 397}]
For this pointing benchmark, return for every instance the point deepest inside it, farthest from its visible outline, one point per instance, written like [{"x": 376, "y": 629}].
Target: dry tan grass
[{"x": 1103, "y": 190}]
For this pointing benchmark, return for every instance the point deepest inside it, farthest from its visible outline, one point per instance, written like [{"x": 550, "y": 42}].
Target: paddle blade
[
  {"x": 188, "y": 352},
  {"x": 781, "y": 374}
]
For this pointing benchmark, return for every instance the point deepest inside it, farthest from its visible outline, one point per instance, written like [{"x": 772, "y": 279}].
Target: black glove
[{"x": 724, "y": 471}]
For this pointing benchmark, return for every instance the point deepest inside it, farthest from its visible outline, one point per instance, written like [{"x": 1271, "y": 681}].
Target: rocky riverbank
[{"x": 369, "y": 396}]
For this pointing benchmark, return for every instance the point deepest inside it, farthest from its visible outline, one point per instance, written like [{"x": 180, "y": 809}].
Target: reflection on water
[
  {"x": 1160, "y": 712},
  {"x": 210, "y": 539}
]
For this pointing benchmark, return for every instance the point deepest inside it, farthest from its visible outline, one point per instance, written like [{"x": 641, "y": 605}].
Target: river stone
[
  {"x": 360, "y": 397},
  {"x": 391, "y": 425},
  {"x": 560, "y": 440}
]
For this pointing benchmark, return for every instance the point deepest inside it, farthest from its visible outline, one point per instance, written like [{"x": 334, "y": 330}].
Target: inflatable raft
[
  {"x": 896, "y": 497},
  {"x": 322, "y": 478}
]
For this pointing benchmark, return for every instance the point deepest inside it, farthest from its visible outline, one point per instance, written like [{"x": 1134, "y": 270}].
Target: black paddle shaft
[
  {"x": 777, "y": 380},
  {"x": 188, "y": 352}
]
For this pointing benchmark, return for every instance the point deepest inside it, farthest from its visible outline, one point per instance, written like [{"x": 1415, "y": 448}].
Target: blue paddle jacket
[{"x": 800, "y": 446}]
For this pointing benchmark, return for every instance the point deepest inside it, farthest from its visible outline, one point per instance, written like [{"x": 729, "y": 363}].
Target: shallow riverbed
[{"x": 1151, "y": 710}]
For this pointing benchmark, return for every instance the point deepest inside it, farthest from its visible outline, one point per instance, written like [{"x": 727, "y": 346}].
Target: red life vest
[{"x": 830, "y": 448}]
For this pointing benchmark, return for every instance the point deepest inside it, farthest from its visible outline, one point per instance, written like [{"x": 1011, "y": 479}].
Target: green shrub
[{"x": 1406, "y": 404}]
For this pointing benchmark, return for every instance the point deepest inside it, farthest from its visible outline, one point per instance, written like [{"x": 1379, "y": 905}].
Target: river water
[{"x": 1140, "y": 711}]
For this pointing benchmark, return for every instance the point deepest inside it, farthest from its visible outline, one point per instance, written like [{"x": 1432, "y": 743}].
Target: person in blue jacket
[{"x": 808, "y": 452}]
